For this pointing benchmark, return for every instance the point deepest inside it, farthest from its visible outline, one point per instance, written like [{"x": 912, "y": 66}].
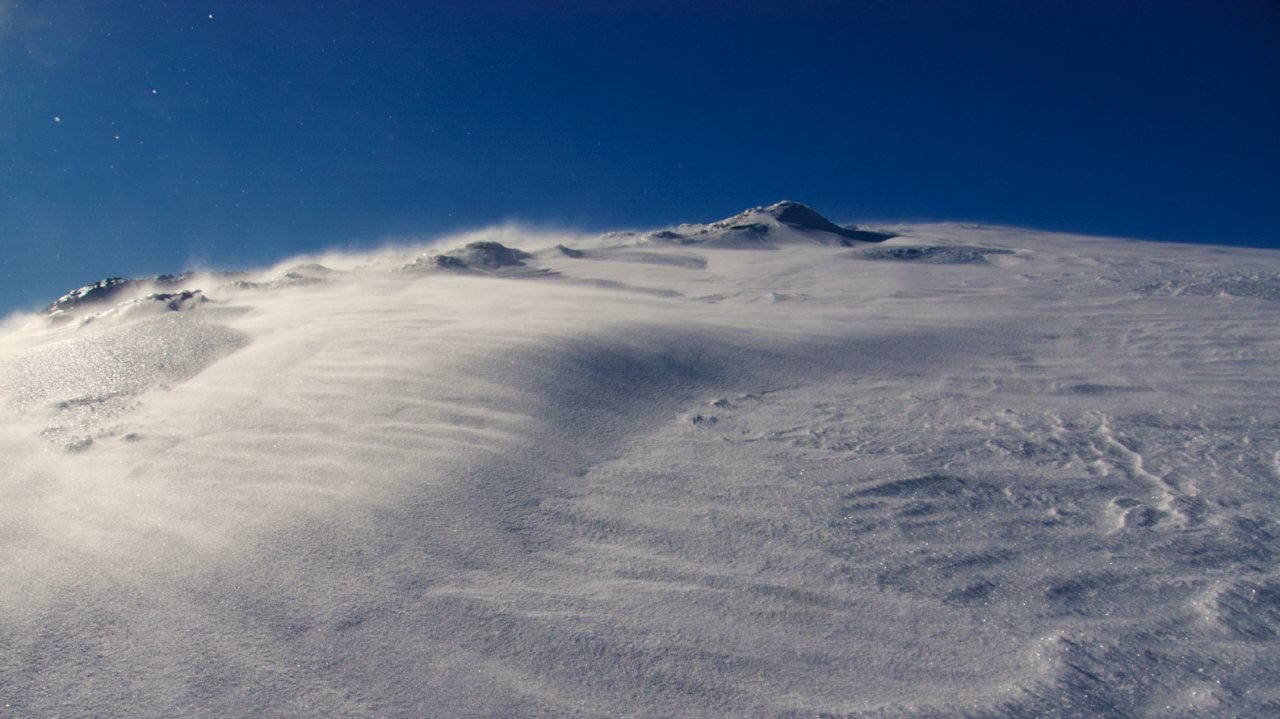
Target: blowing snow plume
[{"x": 753, "y": 467}]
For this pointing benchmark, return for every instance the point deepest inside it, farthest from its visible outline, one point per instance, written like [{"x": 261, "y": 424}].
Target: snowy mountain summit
[
  {"x": 781, "y": 222},
  {"x": 766, "y": 466}
]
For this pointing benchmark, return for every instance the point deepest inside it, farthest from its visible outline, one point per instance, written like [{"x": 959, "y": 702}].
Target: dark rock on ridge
[
  {"x": 170, "y": 280},
  {"x": 100, "y": 291},
  {"x": 447, "y": 262},
  {"x": 485, "y": 256},
  {"x": 182, "y": 301},
  {"x": 933, "y": 255},
  {"x": 491, "y": 255},
  {"x": 125, "y": 292},
  {"x": 177, "y": 301},
  {"x": 666, "y": 235},
  {"x": 755, "y": 228}
]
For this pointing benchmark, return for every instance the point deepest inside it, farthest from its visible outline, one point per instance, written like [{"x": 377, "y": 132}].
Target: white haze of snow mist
[{"x": 1002, "y": 474}]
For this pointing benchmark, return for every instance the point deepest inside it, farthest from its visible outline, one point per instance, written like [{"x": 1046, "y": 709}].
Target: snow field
[{"x": 764, "y": 478}]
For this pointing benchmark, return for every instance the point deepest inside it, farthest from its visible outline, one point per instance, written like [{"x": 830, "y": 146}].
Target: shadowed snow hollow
[{"x": 727, "y": 469}]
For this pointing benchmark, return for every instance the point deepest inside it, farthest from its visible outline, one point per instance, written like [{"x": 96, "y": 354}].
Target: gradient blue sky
[{"x": 145, "y": 137}]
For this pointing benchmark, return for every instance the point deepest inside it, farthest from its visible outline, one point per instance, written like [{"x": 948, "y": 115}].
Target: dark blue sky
[{"x": 144, "y": 137}]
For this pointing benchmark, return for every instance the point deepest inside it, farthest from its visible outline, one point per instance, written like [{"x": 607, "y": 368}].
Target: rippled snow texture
[{"x": 1030, "y": 475}]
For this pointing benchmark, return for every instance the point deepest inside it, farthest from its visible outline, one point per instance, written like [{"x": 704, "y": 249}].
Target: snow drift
[{"x": 769, "y": 466}]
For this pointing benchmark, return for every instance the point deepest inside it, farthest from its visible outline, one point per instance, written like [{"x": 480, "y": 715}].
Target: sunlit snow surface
[{"x": 633, "y": 476}]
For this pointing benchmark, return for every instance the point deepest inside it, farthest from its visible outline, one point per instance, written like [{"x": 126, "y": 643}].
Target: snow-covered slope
[{"x": 706, "y": 471}]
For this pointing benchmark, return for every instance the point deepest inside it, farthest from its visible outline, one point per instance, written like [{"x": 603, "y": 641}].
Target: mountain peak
[
  {"x": 802, "y": 216},
  {"x": 755, "y": 227},
  {"x": 796, "y": 213}
]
